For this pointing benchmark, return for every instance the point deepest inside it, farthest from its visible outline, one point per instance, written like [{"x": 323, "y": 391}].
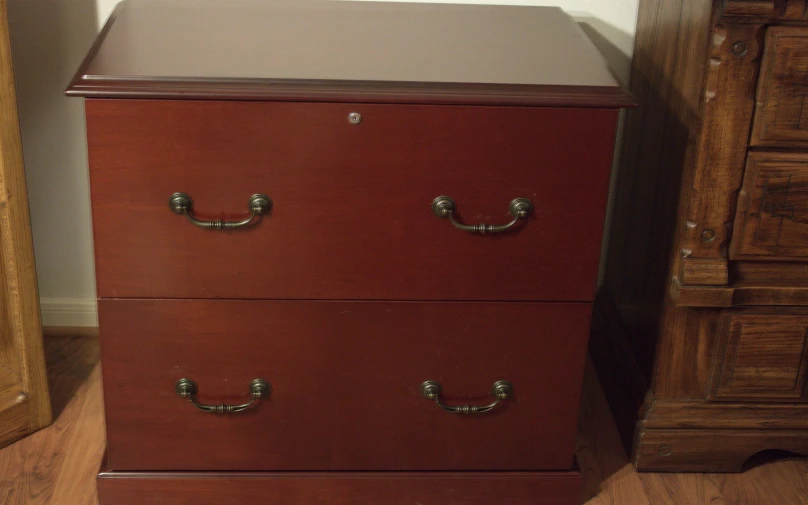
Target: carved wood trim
[
  {"x": 738, "y": 296},
  {"x": 729, "y": 100},
  {"x": 763, "y": 11}
]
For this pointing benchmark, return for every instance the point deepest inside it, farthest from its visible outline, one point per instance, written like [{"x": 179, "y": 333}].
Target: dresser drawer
[
  {"x": 781, "y": 116},
  {"x": 351, "y": 214},
  {"x": 762, "y": 356},
  {"x": 771, "y": 222},
  {"x": 346, "y": 384}
]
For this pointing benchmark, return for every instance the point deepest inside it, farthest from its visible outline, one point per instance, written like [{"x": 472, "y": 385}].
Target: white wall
[{"x": 49, "y": 40}]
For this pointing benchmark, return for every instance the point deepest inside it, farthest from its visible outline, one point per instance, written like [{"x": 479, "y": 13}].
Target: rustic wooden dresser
[
  {"x": 299, "y": 301},
  {"x": 701, "y": 334}
]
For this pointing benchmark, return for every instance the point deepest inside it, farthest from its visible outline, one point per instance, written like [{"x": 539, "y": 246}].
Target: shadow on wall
[
  {"x": 49, "y": 40},
  {"x": 614, "y": 44}
]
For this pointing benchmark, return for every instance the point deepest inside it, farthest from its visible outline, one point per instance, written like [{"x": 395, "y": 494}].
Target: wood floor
[{"x": 57, "y": 465}]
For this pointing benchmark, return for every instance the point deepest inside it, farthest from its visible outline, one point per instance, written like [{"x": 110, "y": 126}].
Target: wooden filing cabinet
[
  {"x": 299, "y": 298},
  {"x": 701, "y": 333}
]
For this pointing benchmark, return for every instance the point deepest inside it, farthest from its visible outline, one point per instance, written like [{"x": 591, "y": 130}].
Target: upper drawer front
[
  {"x": 771, "y": 222},
  {"x": 782, "y": 111},
  {"x": 351, "y": 213},
  {"x": 346, "y": 384}
]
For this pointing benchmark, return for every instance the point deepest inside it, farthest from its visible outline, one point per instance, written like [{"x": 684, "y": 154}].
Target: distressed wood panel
[
  {"x": 772, "y": 217},
  {"x": 762, "y": 357},
  {"x": 729, "y": 95},
  {"x": 672, "y": 275},
  {"x": 782, "y": 113}
]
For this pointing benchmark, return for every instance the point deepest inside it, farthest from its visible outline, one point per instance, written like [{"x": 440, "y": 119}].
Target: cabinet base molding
[
  {"x": 710, "y": 450},
  {"x": 685, "y": 435},
  {"x": 688, "y": 415},
  {"x": 340, "y": 488}
]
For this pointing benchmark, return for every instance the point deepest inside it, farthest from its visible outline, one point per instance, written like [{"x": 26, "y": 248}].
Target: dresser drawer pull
[
  {"x": 444, "y": 208},
  {"x": 186, "y": 388},
  {"x": 502, "y": 390},
  {"x": 182, "y": 204}
]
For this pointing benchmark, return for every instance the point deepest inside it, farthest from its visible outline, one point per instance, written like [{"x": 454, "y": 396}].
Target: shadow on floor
[{"x": 69, "y": 360}]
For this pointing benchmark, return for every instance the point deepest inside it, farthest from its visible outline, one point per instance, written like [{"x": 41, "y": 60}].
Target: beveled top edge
[
  {"x": 87, "y": 83},
  {"x": 353, "y": 91}
]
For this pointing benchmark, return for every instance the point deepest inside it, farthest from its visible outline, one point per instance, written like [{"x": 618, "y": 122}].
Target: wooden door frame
[{"x": 24, "y": 400}]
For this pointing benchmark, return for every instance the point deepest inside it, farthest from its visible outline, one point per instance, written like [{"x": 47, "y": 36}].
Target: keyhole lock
[{"x": 354, "y": 118}]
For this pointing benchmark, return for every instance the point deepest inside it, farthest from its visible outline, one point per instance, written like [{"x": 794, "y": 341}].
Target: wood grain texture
[
  {"x": 761, "y": 357},
  {"x": 658, "y": 149},
  {"x": 763, "y": 11},
  {"x": 767, "y": 484},
  {"x": 560, "y": 488},
  {"x": 779, "y": 273},
  {"x": 728, "y": 104},
  {"x": 21, "y": 333},
  {"x": 748, "y": 295},
  {"x": 662, "y": 450},
  {"x": 669, "y": 275},
  {"x": 16, "y": 422},
  {"x": 701, "y": 271},
  {"x": 752, "y": 8},
  {"x": 739, "y": 295},
  {"x": 345, "y": 376},
  {"x": 691, "y": 414},
  {"x": 10, "y": 388},
  {"x": 688, "y": 367},
  {"x": 364, "y": 52},
  {"x": 29, "y": 474},
  {"x": 772, "y": 218},
  {"x": 351, "y": 215},
  {"x": 700, "y": 296},
  {"x": 683, "y": 366},
  {"x": 781, "y": 117},
  {"x": 58, "y": 465}
]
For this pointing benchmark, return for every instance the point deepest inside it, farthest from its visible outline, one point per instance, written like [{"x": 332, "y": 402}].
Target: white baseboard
[{"x": 73, "y": 312}]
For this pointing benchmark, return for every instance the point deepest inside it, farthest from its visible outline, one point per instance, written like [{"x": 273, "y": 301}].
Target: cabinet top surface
[{"x": 347, "y": 51}]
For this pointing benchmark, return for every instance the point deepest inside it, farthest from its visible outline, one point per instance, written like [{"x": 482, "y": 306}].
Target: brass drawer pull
[
  {"x": 502, "y": 390},
  {"x": 444, "y": 208},
  {"x": 182, "y": 204},
  {"x": 186, "y": 388}
]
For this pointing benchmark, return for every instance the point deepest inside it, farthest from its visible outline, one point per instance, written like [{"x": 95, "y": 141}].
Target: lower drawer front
[
  {"x": 524, "y": 488},
  {"x": 346, "y": 380},
  {"x": 762, "y": 355}
]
